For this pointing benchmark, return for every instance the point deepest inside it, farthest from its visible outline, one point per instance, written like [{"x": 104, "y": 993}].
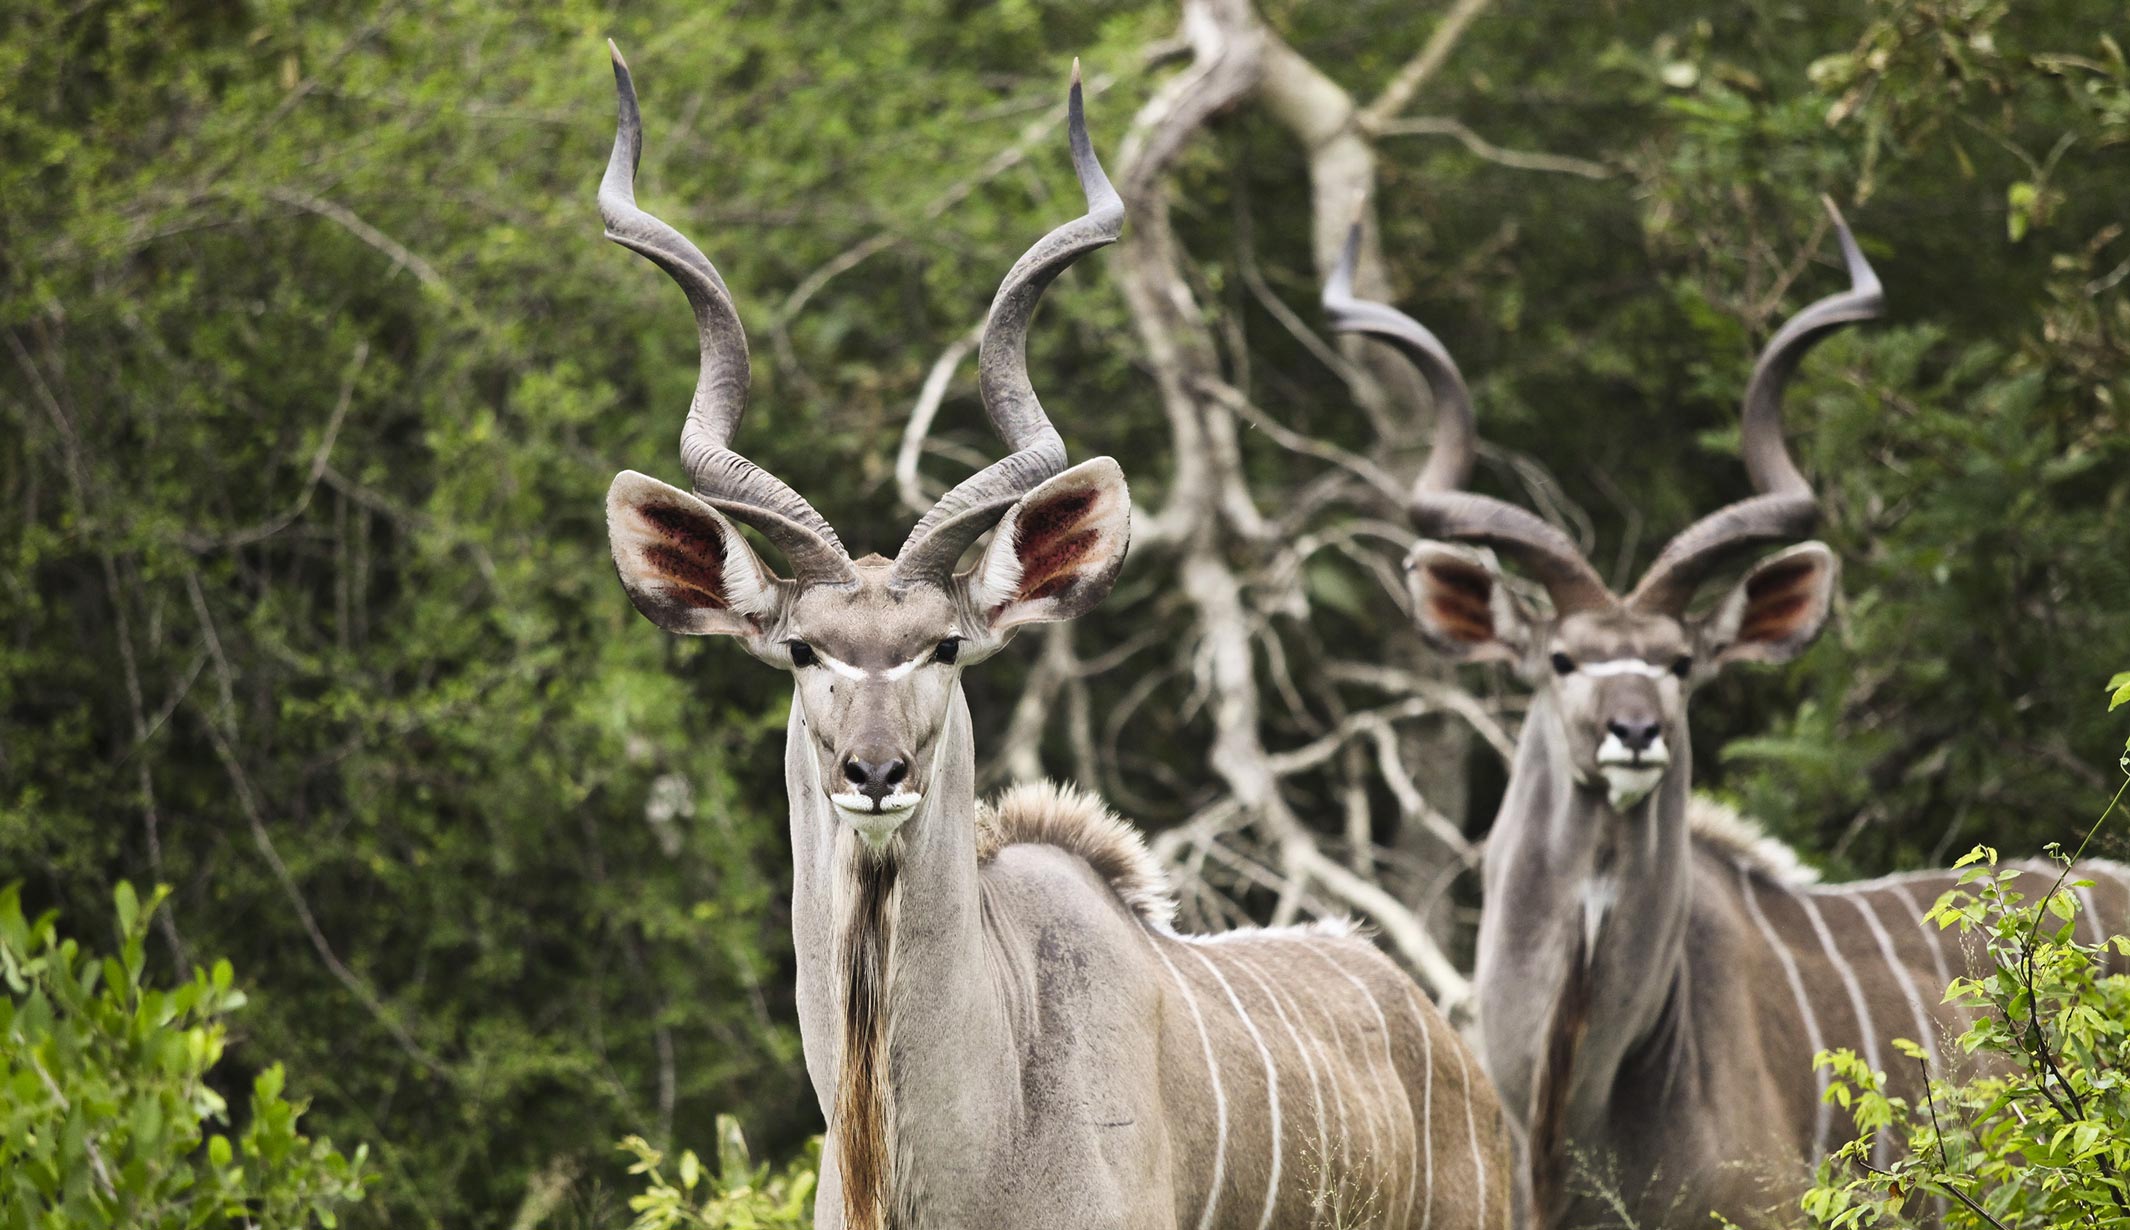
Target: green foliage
[
  {"x": 2041, "y": 1137},
  {"x": 1973, "y": 453},
  {"x": 111, "y": 1117},
  {"x": 740, "y": 1195},
  {"x": 314, "y": 367}
]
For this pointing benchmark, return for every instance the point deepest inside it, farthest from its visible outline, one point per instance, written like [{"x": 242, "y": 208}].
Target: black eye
[
  {"x": 802, "y": 654},
  {"x": 948, "y": 650},
  {"x": 1563, "y": 664},
  {"x": 1684, "y": 666}
]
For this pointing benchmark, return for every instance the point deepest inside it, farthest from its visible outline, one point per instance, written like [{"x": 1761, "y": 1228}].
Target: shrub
[
  {"x": 107, "y": 1117},
  {"x": 739, "y": 1196},
  {"x": 2042, "y": 1138}
]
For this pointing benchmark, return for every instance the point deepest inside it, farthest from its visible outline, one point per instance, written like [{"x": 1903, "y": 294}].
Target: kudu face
[
  {"x": 875, "y": 646},
  {"x": 1613, "y": 670},
  {"x": 1618, "y": 678}
]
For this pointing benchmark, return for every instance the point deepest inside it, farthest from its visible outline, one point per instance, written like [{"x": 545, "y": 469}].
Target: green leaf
[{"x": 129, "y": 907}]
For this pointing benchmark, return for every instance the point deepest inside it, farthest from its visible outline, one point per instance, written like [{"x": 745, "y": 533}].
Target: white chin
[
  {"x": 875, "y": 827},
  {"x": 1627, "y": 785}
]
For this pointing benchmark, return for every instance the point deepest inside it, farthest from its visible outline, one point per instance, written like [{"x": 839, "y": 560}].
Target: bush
[
  {"x": 2042, "y": 1138},
  {"x": 107, "y": 1106},
  {"x": 740, "y": 1196}
]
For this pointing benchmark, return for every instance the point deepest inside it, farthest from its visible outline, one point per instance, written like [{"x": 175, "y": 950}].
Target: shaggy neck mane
[{"x": 860, "y": 1129}]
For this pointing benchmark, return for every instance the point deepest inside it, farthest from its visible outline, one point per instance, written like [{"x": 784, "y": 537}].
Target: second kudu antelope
[
  {"x": 1654, "y": 976},
  {"x": 1000, "y": 1026}
]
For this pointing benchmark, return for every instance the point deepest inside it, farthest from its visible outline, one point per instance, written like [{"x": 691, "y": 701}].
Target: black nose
[
  {"x": 875, "y": 773},
  {"x": 1637, "y": 733}
]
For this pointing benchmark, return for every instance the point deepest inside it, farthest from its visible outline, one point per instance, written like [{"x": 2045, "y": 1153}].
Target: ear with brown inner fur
[
  {"x": 1057, "y": 551},
  {"x": 1776, "y": 610},
  {"x": 685, "y": 566},
  {"x": 1462, "y": 608}
]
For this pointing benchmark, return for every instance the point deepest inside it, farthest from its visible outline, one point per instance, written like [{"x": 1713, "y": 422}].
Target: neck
[
  {"x": 890, "y": 960},
  {"x": 1584, "y": 931}
]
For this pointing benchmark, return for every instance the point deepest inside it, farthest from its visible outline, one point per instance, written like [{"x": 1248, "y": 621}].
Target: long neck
[
  {"x": 898, "y": 1008},
  {"x": 1582, "y": 942}
]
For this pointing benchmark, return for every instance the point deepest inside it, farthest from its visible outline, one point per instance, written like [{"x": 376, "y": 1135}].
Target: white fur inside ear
[
  {"x": 1776, "y": 609},
  {"x": 998, "y": 573},
  {"x": 685, "y": 565},
  {"x": 1057, "y": 551},
  {"x": 1462, "y": 605}
]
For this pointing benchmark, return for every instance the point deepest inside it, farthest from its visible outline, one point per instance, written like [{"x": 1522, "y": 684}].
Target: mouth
[
  {"x": 1630, "y": 780},
  {"x": 875, "y": 820}
]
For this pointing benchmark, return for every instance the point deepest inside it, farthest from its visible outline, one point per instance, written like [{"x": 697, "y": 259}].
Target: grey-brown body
[
  {"x": 1651, "y": 990},
  {"x": 1719, "y": 970},
  {"x": 998, "y": 1023},
  {"x": 1057, "y": 1057}
]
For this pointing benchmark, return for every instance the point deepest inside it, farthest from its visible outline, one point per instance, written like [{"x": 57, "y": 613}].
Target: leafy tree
[{"x": 113, "y": 1120}]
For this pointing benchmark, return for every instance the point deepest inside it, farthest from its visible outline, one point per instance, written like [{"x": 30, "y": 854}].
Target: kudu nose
[
  {"x": 1636, "y": 732},
  {"x": 874, "y": 773}
]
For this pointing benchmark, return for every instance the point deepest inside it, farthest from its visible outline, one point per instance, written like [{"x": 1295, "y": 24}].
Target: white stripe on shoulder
[
  {"x": 1471, "y": 1130},
  {"x": 1271, "y": 1081},
  {"x": 1390, "y": 1069},
  {"x": 1316, "y": 1092},
  {"x": 1427, "y": 1110},
  {"x": 1856, "y": 998},
  {"x": 1927, "y": 1033},
  {"x": 1220, "y": 1097},
  {"x": 1931, "y": 938},
  {"x": 1823, "y": 1118}
]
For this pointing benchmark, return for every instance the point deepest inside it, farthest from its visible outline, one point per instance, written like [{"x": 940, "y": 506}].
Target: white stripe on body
[
  {"x": 1930, "y": 933},
  {"x": 1316, "y": 1094},
  {"x": 1427, "y": 1111},
  {"x": 1824, "y": 1117},
  {"x": 1471, "y": 1129},
  {"x": 1928, "y": 1033},
  {"x": 1334, "y": 1029},
  {"x": 1220, "y": 1098},
  {"x": 1390, "y": 1066},
  {"x": 1271, "y": 1080},
  {"x": 1856, "y": 998},
  {"x": 2091, "y": 914}
]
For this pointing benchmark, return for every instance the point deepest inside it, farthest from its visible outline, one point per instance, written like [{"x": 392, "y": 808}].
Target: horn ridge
[
  {"x": 963, "y": 514},
  {"x": 1436, "y": 505},
  {"x": 723, "y": 478},
  {"x": 1784, "y": 506}
]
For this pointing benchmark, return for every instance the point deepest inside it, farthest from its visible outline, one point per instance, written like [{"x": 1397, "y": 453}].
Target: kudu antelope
[
  {"x": 999, "y": 1024},
  {"x": 1653, "y": 975}
]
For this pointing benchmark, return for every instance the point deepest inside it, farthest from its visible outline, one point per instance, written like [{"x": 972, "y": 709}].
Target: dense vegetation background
[{"x": 316, "y": 367}]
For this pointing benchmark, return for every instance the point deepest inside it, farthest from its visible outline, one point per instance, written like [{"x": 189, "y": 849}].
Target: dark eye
[
  {"x": 1563, "y": 664},
  {"x": 802, "y": 654},
  {"x": 948, "y": 650},
  {"x": 1684, "y": 666}
]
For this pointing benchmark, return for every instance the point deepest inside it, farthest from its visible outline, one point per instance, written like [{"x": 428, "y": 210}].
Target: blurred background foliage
[{"x": 316, "y": 367}]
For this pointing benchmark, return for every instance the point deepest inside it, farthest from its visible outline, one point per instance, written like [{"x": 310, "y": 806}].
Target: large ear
[
  {"x": 1463, "y": 609},
  {"x": 1057, "y": 550},
  {"x": 685, "y": 566},
  {"x": 1775, "y": 610}
]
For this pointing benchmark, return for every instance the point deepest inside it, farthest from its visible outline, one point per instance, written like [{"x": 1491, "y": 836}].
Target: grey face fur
[
  {"x": 875, "y": 660},
  {"x": 1618, "y": 677}
]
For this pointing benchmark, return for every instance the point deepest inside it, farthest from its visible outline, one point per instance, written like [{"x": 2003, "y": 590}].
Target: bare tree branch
[{"x": 1522, "y": 160}]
